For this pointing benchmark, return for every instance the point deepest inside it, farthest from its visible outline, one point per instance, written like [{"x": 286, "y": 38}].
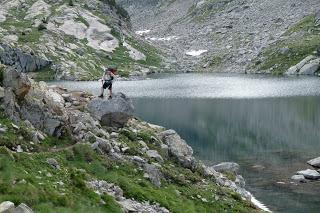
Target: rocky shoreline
[
  {"x": 307, "y": 175},
  {"x": 110, "y": 129}
]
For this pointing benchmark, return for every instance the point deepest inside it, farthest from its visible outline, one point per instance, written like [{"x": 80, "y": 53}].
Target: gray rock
[
  {"x": 101, "y": 145},
  {"x": 21, "y": 61},
  {"x": 299, "y": 178},
  {"x": 296, "y": 68},
  {"x": 226, "y": 167},
  {"x": 178, "y": 148},
  {"x": 310, "y": 68},
  {"x": 309, "y": 174},
  {"x": 7, "y": 207},
  {"x": 314, "y": 162},
  {"x": 240, "y": 181},
  {"x": 153, "y": 173},
  {"x": 53, "y": 163},
  {"x": 18, "y": 82},
  {"x": 23, "y": 208},
  {"x": 317, "y": 18},
  {"x": 155, "y": 155},
  {"x": 284, "y": 50},
  {"x": 19, "y": 149},
  {"x": 1, "y": 93},
  {"x": 114, "y": 113},
  {"x": 3, "y": 130}
]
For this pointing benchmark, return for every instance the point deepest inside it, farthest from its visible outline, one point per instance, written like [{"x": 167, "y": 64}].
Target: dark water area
[
  {"x": 270, "y": 138},
  {"x": 269, "y": 125}
]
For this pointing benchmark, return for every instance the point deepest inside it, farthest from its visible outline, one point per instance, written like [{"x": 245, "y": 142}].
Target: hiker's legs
[
  {"x": 102, "y": 91},
  {"x": 110, "y": 90}
]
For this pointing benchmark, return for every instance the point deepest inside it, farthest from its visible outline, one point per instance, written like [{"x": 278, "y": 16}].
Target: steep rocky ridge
[
  {"x": 71, "y": 40},
  {"x": 234, "y": 32}
]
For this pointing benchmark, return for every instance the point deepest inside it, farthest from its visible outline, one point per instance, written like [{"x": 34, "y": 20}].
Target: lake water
[{"x": 269, "y": 125}]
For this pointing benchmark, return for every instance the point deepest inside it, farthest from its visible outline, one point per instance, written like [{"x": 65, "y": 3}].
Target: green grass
[
  {"x": 303, "y": 39},
  {"x": 45, "y": 74},
  {"x": 82, "y": 20},
  {"x": 27, "y": 178}
]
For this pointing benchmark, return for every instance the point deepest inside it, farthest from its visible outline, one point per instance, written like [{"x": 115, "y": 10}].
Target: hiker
[{"x": 107, "y": 78}]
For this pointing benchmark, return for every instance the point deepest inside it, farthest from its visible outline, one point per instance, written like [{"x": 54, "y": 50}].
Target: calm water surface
[{"x": 269, "y": 125}]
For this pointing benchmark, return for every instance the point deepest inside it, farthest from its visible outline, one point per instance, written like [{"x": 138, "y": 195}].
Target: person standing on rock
[{"x": 107, "y": 79}]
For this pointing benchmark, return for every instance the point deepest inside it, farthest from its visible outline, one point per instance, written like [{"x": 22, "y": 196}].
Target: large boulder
[
  {"x": 310, "y": 174},
  {"x": 28, "y": 100},
  {"x": 7, "y": 207},
  {"x": 18, "y": 82},
  {"x": 296, "y": 68},
  {"x": 178, "y": 148},
  {"x": 226, "y": 167},
  {"x": 114, "y": 112},
  {"x": 314, "y": 162},
  {"x": 310, "y": 68}
]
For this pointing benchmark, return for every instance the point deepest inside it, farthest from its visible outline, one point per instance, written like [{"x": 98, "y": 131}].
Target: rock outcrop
[
  {"x": 178, "y": 148},
  {"x": 227, "y": 167},
  {"x": 9, "y": 207},
  {"x": 317, "y": 18},
  {"x": 21, "y": 61},
  {"x": 128, "y": 205},
  {"x": 308, "y": 66},
  {"x": 114, "y": 112}
]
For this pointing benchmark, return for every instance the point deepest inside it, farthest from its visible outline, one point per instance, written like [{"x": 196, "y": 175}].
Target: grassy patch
[
  {"x": 45, "y": 74},
  {"x": 82, "y": 20},
  {"x": 303, "y": 40},
  {"x": 152, "y": 54}
]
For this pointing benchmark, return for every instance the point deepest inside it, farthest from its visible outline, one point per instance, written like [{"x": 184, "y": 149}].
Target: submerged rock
[
  {"x": 314, "y": 162},
  {"x": 299, "y": 178},
  {"x": 309, "y": 174},
  {"x": 114, "y": 112}
]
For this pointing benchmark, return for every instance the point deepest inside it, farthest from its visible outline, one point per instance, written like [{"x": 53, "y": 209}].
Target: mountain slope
[
  {"x": 76, "y": 38},
  {"x": 233, "y": 32}
]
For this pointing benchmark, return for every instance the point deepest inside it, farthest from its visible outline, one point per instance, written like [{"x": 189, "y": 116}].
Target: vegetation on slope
[
  {"x": 28, "y": 178},
  {"x": 299, "y": 41}
]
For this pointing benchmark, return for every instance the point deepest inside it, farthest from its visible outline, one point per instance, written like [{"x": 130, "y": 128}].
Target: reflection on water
[
  {"x": 270, "y": 138},
  {"x": 257, "y": 121}
]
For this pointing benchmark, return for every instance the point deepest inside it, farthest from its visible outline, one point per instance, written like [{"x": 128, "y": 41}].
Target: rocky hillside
[
  {"x": 63, "y": 151},
  {"x": 71, "y": 39},
  {"x": 223, "y": 35}
]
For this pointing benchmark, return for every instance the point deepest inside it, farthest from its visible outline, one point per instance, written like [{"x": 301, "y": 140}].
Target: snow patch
[
  {"x": 169, "y": 38},
  {"x": 196, "y": 52},
  {"x": 142, "y": 32}
]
